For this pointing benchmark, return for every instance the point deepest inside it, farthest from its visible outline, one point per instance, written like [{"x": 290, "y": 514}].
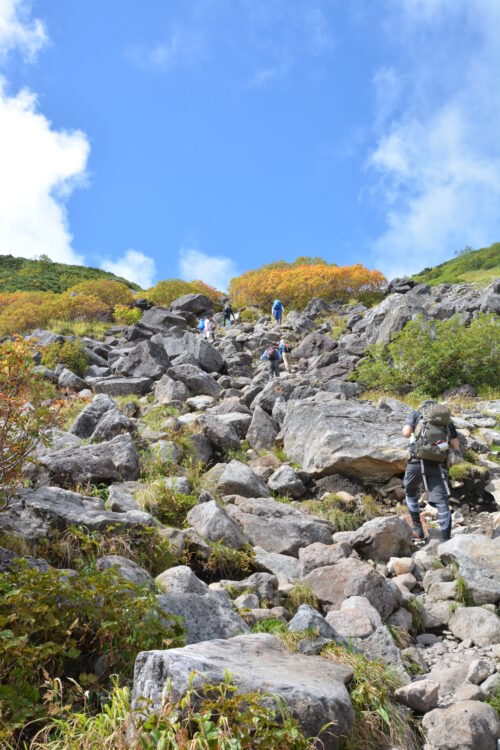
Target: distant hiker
[
  {"x": 227, "y": 313},
  {"x": 278, "y": 310},
  {"x": 209, "y": 329},
  {"x": 286, "y": 353},
  {"x": 201, "y": 324},
  {"x": 432, "y": 435},
  {"x": 273, "y": 356}
]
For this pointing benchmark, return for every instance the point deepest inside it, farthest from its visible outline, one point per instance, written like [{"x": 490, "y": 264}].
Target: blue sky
[{"x": 201, "y": 138}]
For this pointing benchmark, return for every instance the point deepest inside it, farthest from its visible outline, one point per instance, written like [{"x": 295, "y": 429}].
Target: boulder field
[{"x": 302, "y": 476}]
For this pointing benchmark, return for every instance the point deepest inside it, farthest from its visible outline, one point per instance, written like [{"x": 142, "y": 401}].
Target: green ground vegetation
[{"x": 482, "y": 266}]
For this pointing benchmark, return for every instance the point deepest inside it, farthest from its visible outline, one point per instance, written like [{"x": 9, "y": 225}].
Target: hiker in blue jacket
[
  {"x": 278, "y": 310},
  {"x": 273, "y": 356}
]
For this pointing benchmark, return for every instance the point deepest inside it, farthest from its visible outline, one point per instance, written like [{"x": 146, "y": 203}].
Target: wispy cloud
[
  {"x": 134, "y": 266},
  {"x": 18, "y": 31},
  {"x": 437, "y": 155},
  {"x": 264, "y": 39},
  {"x": 215, "y": 270},
  {"x": 183, "y": 47}
]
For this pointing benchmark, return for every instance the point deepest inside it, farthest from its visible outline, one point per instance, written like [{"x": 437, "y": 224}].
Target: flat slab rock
[
  {"x": 51, "y": 507},
  {"x": 313, "y": 688},
  {"x": 206, "y": 616},
  {"x": 277, "y": 527}
]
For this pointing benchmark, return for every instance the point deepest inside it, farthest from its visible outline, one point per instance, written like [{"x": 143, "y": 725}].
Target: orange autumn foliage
[
  {"x": 21, "y": 312},
  {"x": 295, "y": 284}
]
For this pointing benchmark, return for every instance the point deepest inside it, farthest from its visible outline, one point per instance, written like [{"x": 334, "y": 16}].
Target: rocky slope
[{"x": 278, "y": 470}]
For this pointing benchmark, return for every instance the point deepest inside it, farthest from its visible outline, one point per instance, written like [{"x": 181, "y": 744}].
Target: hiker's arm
[
  {"x": 407, "y": 430},
  {"x": 264, "y": 356},
  {"x": 454, "y": 444}
]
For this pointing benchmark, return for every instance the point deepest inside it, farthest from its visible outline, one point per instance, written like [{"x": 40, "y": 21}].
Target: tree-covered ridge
[
  {"x": 296, "y": 283},
  {"x": 44, "y": 275},
  {"x": 470, "y": 265}
]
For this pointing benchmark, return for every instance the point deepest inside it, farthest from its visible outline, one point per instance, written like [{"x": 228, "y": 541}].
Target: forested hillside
[{"x": 43, "y": 275}]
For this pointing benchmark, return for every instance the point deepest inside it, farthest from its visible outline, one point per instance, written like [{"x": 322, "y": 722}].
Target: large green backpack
[{"x": 432, "y": 433}]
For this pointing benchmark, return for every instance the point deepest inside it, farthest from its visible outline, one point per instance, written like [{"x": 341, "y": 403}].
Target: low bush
[
  {"x": 466, "y": 470},
  {"x": 344, "y": 516},
  {"x": 222, "y": 562},
  {"x": 300, "y": 594},
  {"x": 379, "y": 721},
  {"x": 73, "y": 629},
  {"x": 165, "y": 292},
  {"x": 126, "y": 315},
  {"x": 70, "y": 354},
  {"x": 431, "y": 356},
  {"x": 78, "y": 548},
  {"x": 218, "y": 717},
  {"x": 169, "y": 506}
]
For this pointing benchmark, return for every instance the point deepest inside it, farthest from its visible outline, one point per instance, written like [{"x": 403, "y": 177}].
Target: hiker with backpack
[
  {"x": 273, "y": 356},
  {"x": 201, "y": 324},
  {"x": 432, "y": 435},
  {"x": 227, "y": 313},
  {"x": 209, "y": 329},
  {"x": 286, "y": 354},
  {"x": 277, "y": 311}
]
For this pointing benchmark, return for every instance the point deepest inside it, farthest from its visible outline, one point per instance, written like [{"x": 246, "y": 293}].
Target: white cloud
[
  {"x": 215, "y": 270},
  {"x": 437, "y": 156},
  {"x": 18, "y": 31},
  {"x": 40, "y": 166},
  {"x": 133, "y": 266}
]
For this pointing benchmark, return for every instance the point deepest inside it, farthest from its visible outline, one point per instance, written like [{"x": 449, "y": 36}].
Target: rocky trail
[{"x": 282, "y": 506}]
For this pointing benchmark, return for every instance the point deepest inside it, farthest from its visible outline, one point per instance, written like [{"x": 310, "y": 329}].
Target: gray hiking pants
[
  {"x": 273, "y": 367},
  {"x": 434, "y": 478}
]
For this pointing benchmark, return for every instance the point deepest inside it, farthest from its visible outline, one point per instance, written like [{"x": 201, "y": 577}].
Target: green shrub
[
  {"x": 218, "y": 717},
  {"x": 270, "y": 625},
  {"x": 344, "y": 516},
  {"x": 463, "y": 594},
  {"x": 223, "y": 562},
  {"x": 250, "y": 315},
  {"x": 494, "y": 701},
  {"x": 466, "y": 470},
  {"x": 126, "y": 315},
  {"x": 379, "y": 721},
  {"x": 432, "y": 356},
  {"x": 78, "y": 628},
  {"x": 78, "y": 548},
  {"x": 169, "y": 506},
  {"x": 300, "y": 594},
  {"x": 69, "y": 353}
]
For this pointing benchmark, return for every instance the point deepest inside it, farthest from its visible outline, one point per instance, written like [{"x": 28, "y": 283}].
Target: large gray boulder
[
  {"x": 206, "y": 356},
  {"x": 166, "y": 389},
  {"x": 212, "y": 522},
  {"x": 221, "y": 436},
  {"x": 192, "y": 303},
  {"x": 476, "y": 624},
  {"x": 199, "y": 382},
  {"x": 465, "y": 725},
  {"x": 159, "y": 317},
  {"x": 181, "y": 580},
  {"x": 145, "y": 360},
  {"x": 68, "y": 379},
  {"x": 111, "y": 461},
  {"x": 88, "y": 419},
  {"x": 382, "y": 538},
  {"x": 478, "y": 559},
  {"x": 380, "y": 646},
  {"x": 277, "y": 527},
  {"x": 126, "y": 569},
  {"x": 122, "y": 386},
  {"x": 285, "y": 481},
  {"x": 313, "y": 345},
  {"x": 326, "y": 435},
  {"x": 47, "y": 508},
  {"x": 239, "y": 479},
  {"x": 313, "y": 688},
  {"x": 112, "y": 423},
  {"x": 262, "y": 431},
  {"x": 308, "y": 618},
  {"x": 352, "y": 577},
  {"x": 205, "y": 616}
]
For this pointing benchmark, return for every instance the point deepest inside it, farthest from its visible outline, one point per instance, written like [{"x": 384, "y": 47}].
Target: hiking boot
[
  {"x": 446, "y": 534},
  {"x": 418, "y": 532}
]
